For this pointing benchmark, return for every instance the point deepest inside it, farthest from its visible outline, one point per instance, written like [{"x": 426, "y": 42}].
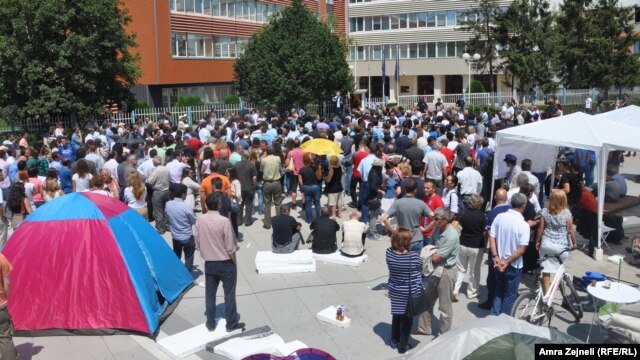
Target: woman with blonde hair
[
  {"x": 555, "y": 233},
  {"x": 51, "y": 189},
  {"x": 135, "y": 194}
]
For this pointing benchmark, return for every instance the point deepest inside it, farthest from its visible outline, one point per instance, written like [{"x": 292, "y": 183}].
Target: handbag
[
  {"x": 291, "y": 166},
  {"x": 416, "y": 304}
]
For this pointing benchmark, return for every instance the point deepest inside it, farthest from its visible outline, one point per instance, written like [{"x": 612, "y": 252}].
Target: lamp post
[{"x": 468, "y": 59}]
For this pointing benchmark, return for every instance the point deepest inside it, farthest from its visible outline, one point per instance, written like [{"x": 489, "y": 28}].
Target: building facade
[
  {"x": 188, "y": 47},
  {"x": 423, "y": 35}
]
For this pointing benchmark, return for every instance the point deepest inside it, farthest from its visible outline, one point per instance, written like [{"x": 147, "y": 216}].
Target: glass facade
[
  {"x": 409, "y": 21},
  {"x": 184, "y": 45},
  {"x": 448, "y": 49},
  {"x": 210, "y": 94},
  {"x": 249, "y": 10}
]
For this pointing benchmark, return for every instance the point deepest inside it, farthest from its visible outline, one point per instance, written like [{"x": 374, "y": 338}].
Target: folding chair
[{"x": 605, "y": 233}]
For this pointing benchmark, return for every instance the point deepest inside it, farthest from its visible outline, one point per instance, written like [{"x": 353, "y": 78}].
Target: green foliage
[
  {"x": 476, "y": 87},
  {"x": 293, "y": 59},
  {"x": 232, "y": 100},
  {"x": 483, "y": 40},
  {"x": 592, "y": 41},
  {"x": 139, "y": 104},
  {"x": 188, "y": 101},
  {"x": 526, "y": 46},
  {"x": 64, "y": 57}
]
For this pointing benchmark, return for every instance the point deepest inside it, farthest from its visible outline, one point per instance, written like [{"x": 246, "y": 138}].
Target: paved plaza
[{"x": 288, "y": 304}]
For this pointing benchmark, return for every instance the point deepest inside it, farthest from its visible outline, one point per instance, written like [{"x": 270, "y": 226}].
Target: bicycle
[{"x": 535, "y": 307}]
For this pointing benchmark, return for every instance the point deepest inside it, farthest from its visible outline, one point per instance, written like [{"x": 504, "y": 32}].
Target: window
[
  {"x": 206, "y": 7},
  {"x": 637, "y": 14},
  {"x": 238, "y": 9},
  {"x": 442, "y": 49},
  {"x": 472, "y": 17},
  {"x": 422, "y": 50},
  {"x": 189, "y": 6},
  {"x": 636, "y": 47},
  {"x": 451, "y": 18},
  {"x": 403, "y": 21},
  {"x": 431, "y": 19},
  {"x": 368, "y": 23},
  {"x": 361, "y": 54},
  {"x": 460, "y": 48},
  {"x": 376, "y": 24},
  {"x": 431, "y": 50},
  {"x": 403, "y": 51},
  {"x": 179, "y": 5},
  {"x": 441, "y": 18},
  {"x": 260, "y": 9},
  {"x": 172, "y": 5},
  {"x": 179, "y": 44},
  {"x": 360, "y": 24},
  {"x": 392, "y": 52},
  {"x": 198, "y": 7},
  {"x": 352, "y": 25},
  {"x": 376, "y": 52},
  {"x": 395, "y": 21},
  {"x": 413, "y": 20},
  {"x": 451, "y": 49},
  {"x": 413, "y": 51},
  {"x": 422, "y": 19},
  {"x": 384, "y": 22},
  {"x": 460, "y": 17}
]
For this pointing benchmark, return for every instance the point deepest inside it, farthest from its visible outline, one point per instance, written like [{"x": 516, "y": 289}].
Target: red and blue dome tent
[{"x": 86, "y": 263}]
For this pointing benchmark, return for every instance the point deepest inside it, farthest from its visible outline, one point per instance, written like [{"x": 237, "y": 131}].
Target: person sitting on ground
[
  {"x": 353, "y": 235},
  {"x": 286, "y": 236},
  {"x": 324, "y": 231}
]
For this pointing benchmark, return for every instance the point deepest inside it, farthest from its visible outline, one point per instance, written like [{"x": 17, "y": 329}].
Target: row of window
[
  {"x": 238, "y": 9},
  {"x": 408, "y": 51},
  {"x": 184, "y": 45},
  {"x": 410, "y": 21}
]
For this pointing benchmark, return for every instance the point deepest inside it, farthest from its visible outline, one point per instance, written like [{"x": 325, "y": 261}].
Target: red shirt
[
  {"x": 587, "y": 201},
  {"x": 433, "y": 203},
  {"x": 356, "y": 162},
  {"x": 448, "y": 154}
]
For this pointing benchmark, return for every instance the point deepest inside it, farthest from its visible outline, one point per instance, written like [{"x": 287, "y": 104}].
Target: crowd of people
[{"x": 421, "y": 175}]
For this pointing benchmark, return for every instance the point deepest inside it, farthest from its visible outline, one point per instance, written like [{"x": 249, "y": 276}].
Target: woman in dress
[
  {"x": 405, "y": 278},
  {"x": 82, "y": 177},
  {"x": 555, "y": 233},
  {"x": 135, "y": 194},
  {"x": 193, "y": 187}
]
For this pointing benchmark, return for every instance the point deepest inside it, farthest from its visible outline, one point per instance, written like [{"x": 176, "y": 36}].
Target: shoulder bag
[{"x": 416, "y": 304}]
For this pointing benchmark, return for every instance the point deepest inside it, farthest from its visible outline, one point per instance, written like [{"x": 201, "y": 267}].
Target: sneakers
[
  {"x": 455, "y": 297},
  {"x": 485, "y": 305},
  {"x": 239, "y": 325}
]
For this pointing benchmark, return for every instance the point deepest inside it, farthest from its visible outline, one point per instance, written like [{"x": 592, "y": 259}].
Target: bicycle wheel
[
  {"x": 570, "y": 296},
  {"x": 527, "y": 308}
]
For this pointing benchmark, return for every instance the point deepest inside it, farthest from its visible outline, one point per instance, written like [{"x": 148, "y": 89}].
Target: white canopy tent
[{"x": 540, "y": 141}]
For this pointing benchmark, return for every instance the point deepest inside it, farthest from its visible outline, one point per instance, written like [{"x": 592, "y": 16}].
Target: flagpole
[
  {"x": 369, "y": 73},
  {"x": 384, "y": 79}
]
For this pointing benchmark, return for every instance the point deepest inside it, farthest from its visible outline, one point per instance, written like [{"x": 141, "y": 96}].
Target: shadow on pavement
[{"x": 27, "y": 350}]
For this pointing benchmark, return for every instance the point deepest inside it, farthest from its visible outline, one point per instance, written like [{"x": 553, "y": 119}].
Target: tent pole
[
  {"x": 494, "y": 172},
  {"x": 602, "y": 179}
]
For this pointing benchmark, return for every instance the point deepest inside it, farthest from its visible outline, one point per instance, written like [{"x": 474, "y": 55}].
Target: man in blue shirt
[
  {"x": 66, "y": 149},
  {"x": 181, "y": 219}
]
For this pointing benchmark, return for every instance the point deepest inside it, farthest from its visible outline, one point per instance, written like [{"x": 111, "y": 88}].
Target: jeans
[
  {"x": 346, "y": 179},
  {"x": 441, "y": 289},
  {"x": 491, "y": 280},
  {"x": 272, "y": 193},
  {"x": 189, "y": 247},
  {"x": 507, "y": 283},
  {"x": 246, "y": 208},
  {"x": 159, "y": 200},
  {"x": 416, "y": 246},
  {"x": 364, "y": 198},
  {"x": 7, "y": 349},
  {"x": 227, "y": 272},
  {"x": 353, "y": 185},
  {"x": 311, "y": 193},
  {"x": 258, "y": 192}
]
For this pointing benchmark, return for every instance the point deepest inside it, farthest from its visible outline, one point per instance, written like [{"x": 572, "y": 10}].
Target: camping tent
[
  {"x": 602, "y": 134},
  {"x": 86, "y": 263}
]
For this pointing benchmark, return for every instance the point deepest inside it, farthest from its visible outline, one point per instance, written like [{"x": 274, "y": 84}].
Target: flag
[
  {"x": 398, "y": 67},
  {"x": 384, "y": 72}
]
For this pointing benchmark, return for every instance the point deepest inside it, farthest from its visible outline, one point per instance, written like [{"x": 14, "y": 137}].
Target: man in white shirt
[
  {"x": 508, "y": 239},
  {"x": 204, "y": 134},
  {"x": 587, "y": 104},
  {"x": 469, "y": 179},
  {"x": 175, "y": 168},
  {"x": 353, "y": 235},
  {"x": 146, "y": 168}
]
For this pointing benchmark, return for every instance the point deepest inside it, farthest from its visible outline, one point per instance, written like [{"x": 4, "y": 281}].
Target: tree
[
  {"x": 523, "y": 31},
  {"x": 480, "y": 23},
  {"x": 294, "y": 58},
  {"x": 593, "y": 39},
  {"x": 189, "y": 100},
  {"x": 64, "y": 57},
  {"x": 475, "y": 87}
]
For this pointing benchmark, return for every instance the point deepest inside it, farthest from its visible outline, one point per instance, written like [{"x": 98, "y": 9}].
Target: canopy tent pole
[{"x": 602, "y": 179}]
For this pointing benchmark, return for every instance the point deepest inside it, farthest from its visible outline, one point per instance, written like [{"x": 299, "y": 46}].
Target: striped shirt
[{"x": 401, "y": 267}]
